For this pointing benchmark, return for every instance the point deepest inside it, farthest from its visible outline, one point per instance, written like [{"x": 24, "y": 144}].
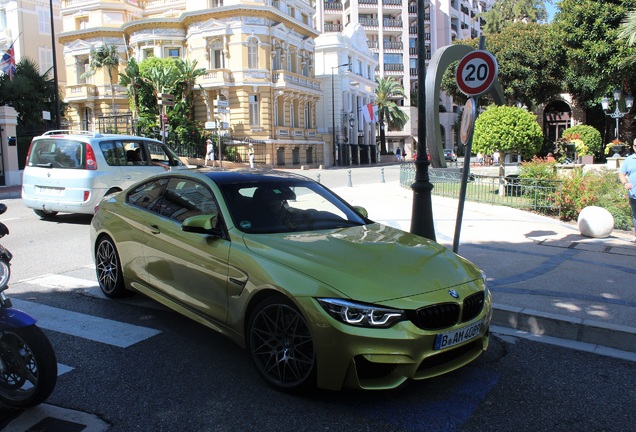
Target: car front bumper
[{"x": 378, "y": 359}]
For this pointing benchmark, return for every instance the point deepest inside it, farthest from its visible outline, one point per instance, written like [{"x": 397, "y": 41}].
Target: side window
[
  {"x": 135, "y": 153},
  {"x": 157, "y": 154},
  {"x": 186, "y": 198},
  {"x": 147, "y": 195},
  {"x": 113, "y": 152}
]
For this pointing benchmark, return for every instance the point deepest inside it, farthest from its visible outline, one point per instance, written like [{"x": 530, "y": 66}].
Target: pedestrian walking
[
  {"x": 209, "y": 152},
  {"x": 627, "y": 176},
  {"x": 397, "y": 154},
  {"x": 250, "y": 152}
]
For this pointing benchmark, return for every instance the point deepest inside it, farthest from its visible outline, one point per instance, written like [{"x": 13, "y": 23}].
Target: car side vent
[
  {"x": 437, "y": 316},
  {"x": 473, "y": 306}
]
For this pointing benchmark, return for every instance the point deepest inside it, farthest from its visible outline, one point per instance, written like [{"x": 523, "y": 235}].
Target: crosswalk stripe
[
  {"x": 85, "y": 326},
  {"x": 61, "y": 282}
]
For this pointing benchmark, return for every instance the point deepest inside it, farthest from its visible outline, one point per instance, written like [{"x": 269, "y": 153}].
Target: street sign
[
  {"x": 210, "y": 125},
  {"x": 221, "y": 103},
  {"x": 476, "y": 72},
  {"x": 221, "y": 110},
  {"x": 165, "y": 99}
]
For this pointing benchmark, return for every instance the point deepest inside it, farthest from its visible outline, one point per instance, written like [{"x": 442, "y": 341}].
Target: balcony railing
[
  {"x": 392, "y": 23},
  {"x": 214, "y": 78},
  {"x": 333, "y": 6},
  {"x": 282, "y": 78},
  {"x": 393, "y": 45},
  {"x": 393, "y": 67},
  {"x": 368, "y": 2},
  {"x": 333, "y": 28},
  {"x": 369, "y": 22}
]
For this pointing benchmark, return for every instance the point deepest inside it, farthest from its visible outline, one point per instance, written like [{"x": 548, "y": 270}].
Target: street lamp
[
  {"x": 617, "y": 114},
  {"x": 333, "y": 110}
]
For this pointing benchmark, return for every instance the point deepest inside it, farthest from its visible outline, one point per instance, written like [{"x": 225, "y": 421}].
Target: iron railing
[{"x": 510, "y": 191}]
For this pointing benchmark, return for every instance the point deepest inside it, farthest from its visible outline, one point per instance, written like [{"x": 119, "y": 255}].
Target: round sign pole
[{"x": 466, "y": 135}]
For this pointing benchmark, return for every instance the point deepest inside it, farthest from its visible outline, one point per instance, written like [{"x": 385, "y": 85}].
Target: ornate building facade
[{"x": 258, "y": 56}]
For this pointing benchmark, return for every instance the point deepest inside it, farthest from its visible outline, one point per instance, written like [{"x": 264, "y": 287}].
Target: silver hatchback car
[{"x": 72, "y": 171}]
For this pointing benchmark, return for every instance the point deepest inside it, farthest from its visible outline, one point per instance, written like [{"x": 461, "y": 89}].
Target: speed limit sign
[{"x": 476, "y": 72}]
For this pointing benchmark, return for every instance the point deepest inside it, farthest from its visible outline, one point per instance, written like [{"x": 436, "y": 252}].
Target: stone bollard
[
  {"x": 381, "y": 175},
  {"x": 350, "y": 184},
  {"x": 318, "y": 179},
  {"x": 595, "y": 222}
]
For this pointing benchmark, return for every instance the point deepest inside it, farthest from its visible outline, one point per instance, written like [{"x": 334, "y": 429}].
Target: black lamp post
[
  {"x": 333, "y": 110},
  {"x": 58, "y": 120},
  {"x": 422, "y": 212},
  {"x": 617, "y": 114}
]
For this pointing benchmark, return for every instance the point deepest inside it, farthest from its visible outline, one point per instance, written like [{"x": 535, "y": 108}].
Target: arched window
[{"x": 252, "y": 53}]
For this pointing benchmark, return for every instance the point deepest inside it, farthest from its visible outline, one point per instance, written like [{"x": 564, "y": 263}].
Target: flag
[
  {"x": 7, "y": 63},
  {"x": 370, "y": 113}
]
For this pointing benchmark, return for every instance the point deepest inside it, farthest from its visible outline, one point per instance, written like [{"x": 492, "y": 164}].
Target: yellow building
[
  {"x": 27, "y": 24},
  {"x": 259, "y": 57}
]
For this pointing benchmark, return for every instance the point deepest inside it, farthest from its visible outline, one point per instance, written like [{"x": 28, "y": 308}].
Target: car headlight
[
  {"x": 5, "y": 273},
  {"x": 361, "y": 314}
]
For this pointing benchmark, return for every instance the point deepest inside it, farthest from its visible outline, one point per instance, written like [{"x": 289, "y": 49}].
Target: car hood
[{"x": 372, "y": 263}]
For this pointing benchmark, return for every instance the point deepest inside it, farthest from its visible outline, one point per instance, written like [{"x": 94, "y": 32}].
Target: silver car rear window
[{"x": 58, "y": 153}]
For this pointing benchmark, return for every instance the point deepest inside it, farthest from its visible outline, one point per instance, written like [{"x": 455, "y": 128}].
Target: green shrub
[{"x": 590, "y": 136}]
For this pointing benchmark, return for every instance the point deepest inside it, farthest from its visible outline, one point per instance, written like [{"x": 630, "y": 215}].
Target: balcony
[
  {"x": 81, "y": 92},
  {"x": 370, "y": 22},
  {"x": 392, "y": 4},
  {"x": 214, "y": 78},
  {"x": 393, "y": 69},
  {"x": 333, "y": 28},
  {"x": 392, "y": 23},
  {"x": 367, "y": 2},
  {"x": 283, "y": 78},
  {"x": 333, "y": 6},
  {"x": 388, "y": 45}
]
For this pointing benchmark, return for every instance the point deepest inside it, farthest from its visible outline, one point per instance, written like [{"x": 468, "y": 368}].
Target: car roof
[
  {"x": 83, "y": 135},
  {"x": 253, "y": 176}
]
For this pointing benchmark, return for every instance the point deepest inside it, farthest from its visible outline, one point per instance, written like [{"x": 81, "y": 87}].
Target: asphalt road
[{"x": 133, "y": 365}]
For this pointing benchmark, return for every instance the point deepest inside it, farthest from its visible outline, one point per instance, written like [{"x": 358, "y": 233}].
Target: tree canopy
[
  {"x": 388, "y": 111},
  {"x": 507, "y": 129},
  {"x": 506, "y": 12}
]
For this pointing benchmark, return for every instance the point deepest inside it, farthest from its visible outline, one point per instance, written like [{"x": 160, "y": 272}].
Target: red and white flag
[{"x": 370, "y": 113}]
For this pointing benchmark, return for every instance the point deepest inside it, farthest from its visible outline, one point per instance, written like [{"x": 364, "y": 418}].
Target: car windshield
[{"x": 289, "y": 206}]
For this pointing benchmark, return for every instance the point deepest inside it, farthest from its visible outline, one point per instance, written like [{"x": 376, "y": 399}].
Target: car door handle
[{"x": 154, "y": 229}]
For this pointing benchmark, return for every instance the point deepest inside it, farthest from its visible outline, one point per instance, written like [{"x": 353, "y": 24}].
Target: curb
[{"x": 619, "y": 337}]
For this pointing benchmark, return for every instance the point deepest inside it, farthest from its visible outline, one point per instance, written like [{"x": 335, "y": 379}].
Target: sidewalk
[{"x": 546, "y": 279}]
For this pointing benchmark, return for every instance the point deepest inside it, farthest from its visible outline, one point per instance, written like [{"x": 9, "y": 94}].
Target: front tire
[
  {"x": 108, "y": 269},
  {"x": 28, "y": 370},
  {"x": 281, "y": 345}
]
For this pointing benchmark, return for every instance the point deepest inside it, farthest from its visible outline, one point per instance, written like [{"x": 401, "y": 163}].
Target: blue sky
[{"x": 551, "y": 8}]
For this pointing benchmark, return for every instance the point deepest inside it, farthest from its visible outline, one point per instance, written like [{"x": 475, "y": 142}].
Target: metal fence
[{"x": 511, "y": 190}]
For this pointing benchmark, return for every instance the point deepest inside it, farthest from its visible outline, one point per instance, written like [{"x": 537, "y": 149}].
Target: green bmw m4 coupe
[{"x": 294, "y": 274}]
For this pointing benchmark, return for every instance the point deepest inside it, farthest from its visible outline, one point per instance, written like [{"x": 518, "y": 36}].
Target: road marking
[
  {"x": 61, "y": 282},
  {"x": 86, "y": 326},
  {"x": 44, "y": 412}
]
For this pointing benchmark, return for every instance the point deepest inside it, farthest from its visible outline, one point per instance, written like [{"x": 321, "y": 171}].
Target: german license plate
[
  {"x": 455, "y": 337},
  {"x": 50, "y": 190}
]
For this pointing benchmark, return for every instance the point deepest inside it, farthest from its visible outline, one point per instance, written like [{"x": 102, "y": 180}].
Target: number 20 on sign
[{"x": 476, "y": 72}]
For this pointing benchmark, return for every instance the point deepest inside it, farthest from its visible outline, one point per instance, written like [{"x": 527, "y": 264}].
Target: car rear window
[{"x": 57, "y": 153}]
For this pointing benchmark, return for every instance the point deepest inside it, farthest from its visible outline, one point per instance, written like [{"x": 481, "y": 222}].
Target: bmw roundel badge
[{"x": 453, "y": 293}]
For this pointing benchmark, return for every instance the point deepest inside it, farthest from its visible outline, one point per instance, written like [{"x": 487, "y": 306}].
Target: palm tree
[
  {"x": 188, "y": 74},
  {"x": 106, "y": 56},
  {"x": 627, "y": 33},
  {"x": 387, "y": 89},
  {"x": 131, "y": 78}
]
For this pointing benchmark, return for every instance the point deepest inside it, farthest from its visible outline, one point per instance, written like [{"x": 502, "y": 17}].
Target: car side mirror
[
  {"x": 202, "y": 224},
  {"x": 362, "y": 211}
]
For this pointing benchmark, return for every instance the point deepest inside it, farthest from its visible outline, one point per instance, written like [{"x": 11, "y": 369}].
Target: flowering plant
[
  {"x": 581, "y": 148},
  {"x": 615, "y": 142}
]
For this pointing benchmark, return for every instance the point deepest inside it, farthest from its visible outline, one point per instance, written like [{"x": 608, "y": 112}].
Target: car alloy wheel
[
  {"x": 281, "y": 345},
  {"x": 108, "y": 269}
]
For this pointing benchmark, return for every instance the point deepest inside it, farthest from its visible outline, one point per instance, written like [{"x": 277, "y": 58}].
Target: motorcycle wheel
[{"x": 28, "y": 367}]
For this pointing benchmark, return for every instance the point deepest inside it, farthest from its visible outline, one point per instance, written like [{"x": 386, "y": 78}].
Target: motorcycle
[{"x": 28, "y": 367}]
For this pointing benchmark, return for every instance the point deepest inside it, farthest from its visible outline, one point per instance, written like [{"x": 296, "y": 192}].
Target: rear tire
[
  {"x": 108, "y": 269},
  {"x": 45, "y": 214},
  {"x": 30, "y": 372}
]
